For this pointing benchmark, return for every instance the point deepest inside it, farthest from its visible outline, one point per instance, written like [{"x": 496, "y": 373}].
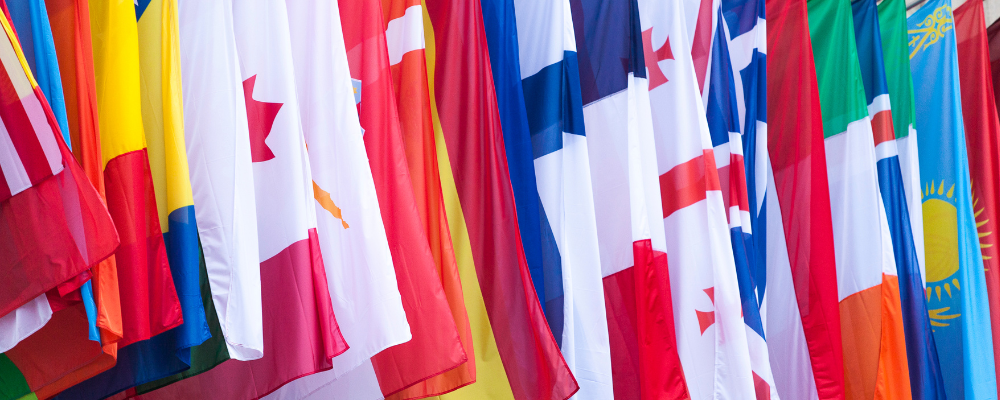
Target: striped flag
[
  {"x": 725, "y": 128},
  {"x": 800, "y": 249},
  {"x": 861, "y": 233},
  {"x": 301, "y": 334},
  {"x": 556, "y": 141},
  {"x": 465, "y": 99},
  {"x": 956, "y": 287},
  {"x": 60, "y": 219},
  {"x": 636, "y": 280},
  {"x": 893, "y": 374},
  {"x": 711, "y": 334},
  {"x": 980, "y": 116},
  {"x": 926, "y": 381}
]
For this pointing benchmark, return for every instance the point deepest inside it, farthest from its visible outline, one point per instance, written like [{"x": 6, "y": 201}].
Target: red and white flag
[{"x": 711, "y": 334}]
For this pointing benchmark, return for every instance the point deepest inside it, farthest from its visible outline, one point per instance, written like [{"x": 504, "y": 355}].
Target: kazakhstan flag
[{"x": 956, "y": 287}]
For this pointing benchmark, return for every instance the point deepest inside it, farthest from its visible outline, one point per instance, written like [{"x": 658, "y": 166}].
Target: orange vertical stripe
[{"x": 893, "y": 373}]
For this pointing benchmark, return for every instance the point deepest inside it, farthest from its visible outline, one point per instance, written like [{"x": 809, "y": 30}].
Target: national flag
[
  {"x": 802, "y": 307},
  {"x": 956, "y": 287},
  {"x": 726, "y": 131},
  {"x": 465, "y": 99},
  {"x": 216, "y": 134},
  {"x": 404, "y": 30},
  {"x": 301, "y": 334},
  {"x": 356, "y": 251},
  {"x": 701, "y": 22},
  {"x": 980, "y": 116},
  {"x": 921, "y": 353},
  {"x": 861, "y": 233},
  {"x": 556, "y": 142},
  {"x": 893, "y": 372},
  {"x": 58, "y": 221},
  {"x": 711, "y": 334},
  {"x": 633, "y": 251}
]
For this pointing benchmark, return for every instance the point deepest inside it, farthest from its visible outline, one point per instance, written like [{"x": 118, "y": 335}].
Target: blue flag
[{"x": 956, "y": 287}]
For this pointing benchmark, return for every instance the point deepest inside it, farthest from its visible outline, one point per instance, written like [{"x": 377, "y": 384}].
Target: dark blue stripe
[
  {"x": 744, "y": 278},
  {"x": 741, "y": 15},
  {"x": 501, "y": 36},
  {"x": 140, "y": 8},
  {"x": 609, "y": 45},
  {"x": 721, "y": 109},
  {"x": 554, "y": 104},
  {"x": 926, "y": 381},
  {"x": 553, "y": 276},
  {"x": 868, "y": 38}
]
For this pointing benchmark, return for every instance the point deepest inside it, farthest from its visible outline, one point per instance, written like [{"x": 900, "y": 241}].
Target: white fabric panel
[
  {"x": 24, "y": 321},
  {"x": 218, "y": 149},
  {"x": 11, "y": 165},
  {"x": 402, "y": 35},
  {"x": 910, "y": 166},
  {"x": 855, "y": 202}
]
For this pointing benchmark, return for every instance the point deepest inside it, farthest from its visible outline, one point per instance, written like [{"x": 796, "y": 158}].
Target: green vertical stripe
[
  {"x": 207, "y": 355},
  {"x": 896, "y": 53},
  {"x": 12, "y": 382},
  {"x": 841, "y": 90}
]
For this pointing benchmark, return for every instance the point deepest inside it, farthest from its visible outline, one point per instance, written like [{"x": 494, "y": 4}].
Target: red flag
[
  {"x": 982, "y": 128},
  {"x": 798, "y": 158},
  {"x": 435, "y": 347},
  {"x": 466, "y": 103}
]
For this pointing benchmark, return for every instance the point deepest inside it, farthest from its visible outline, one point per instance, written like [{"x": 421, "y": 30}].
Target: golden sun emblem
[
  {"x": 985, "y": 235},
  {"x": 941, "y": 239}
]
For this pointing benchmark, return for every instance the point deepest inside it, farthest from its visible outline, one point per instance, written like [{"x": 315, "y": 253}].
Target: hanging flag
[
  {"x": 301, "y": 334},
  {"x": 637, "y": 284},
  {"x": 491, "y": 377},
  {"x": 216, "y": 136},
  {"x": 926, "y": 381},
  {"x": 802, "y": 310},
  {"x": 956, "y": 287},
  {"x": 711, "y": 334},
  {"x": 993, "y": 33},
  {"x": 893, "y": 374},
  {"x": 59, "y": 219},
  {"x": 556, "y": 141},
  {"x": 980, "y": 117},
  {"x": 465, "y": 100},
  {"x": 861, "y": 233},
  {"x": 701, "y": 22},
  {"x": 404, "y": 30},
  {"x": 725, "y": 127},
  {"x": 351, "y": 231}
]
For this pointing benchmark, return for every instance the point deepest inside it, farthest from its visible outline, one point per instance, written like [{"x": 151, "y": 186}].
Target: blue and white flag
[{"x": 571, "y": 289}]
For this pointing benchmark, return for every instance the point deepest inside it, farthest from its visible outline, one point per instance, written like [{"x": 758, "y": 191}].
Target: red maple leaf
[
  {"x": 707, "y": 318},
  {"x": 260, "y": 117},
  {"x": 656, "y": 76}
]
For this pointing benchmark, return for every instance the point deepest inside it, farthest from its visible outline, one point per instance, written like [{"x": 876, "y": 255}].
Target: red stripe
[
  {"x": 300, "y": 334},
  {"x": 688, "y": 183},
  {"x": 737, "y": 182},
  {"x": 882, "y": 127},
  {"x": 470, "y": 122},
  {"x": 795, "y": 144},
  {"x": 25, "y": 139},
  {"x": 148, "y": 298},
  {"x": 701, "y": 45}
]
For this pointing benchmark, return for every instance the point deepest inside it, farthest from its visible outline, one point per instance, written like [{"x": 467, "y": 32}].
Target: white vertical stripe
[
  {"x": 405, "y": 34},
  {"x": 24, "y": 321},
  {"x": 46, "y": 138},
  {"x": 10, "y": 163},
  {"x": 14, "y": 69}
]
